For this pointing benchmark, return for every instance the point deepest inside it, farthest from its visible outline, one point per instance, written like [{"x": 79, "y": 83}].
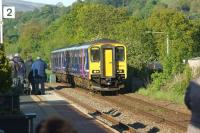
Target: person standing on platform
[
  {"x": 13, "y": 71},
  {"x": 39, "y": 75},
  {"x": 20, "y": 69},
  {"x": 192, "y": 101},
  {"x": 29, "y": 73}
]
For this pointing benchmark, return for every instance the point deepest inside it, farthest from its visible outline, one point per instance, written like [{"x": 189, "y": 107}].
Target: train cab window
[
  {"x": 95, "y": 54},
  {"x": 119, "y": 52}
]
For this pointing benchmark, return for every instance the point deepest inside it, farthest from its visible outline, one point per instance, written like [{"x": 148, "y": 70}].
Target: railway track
[
  {"x": 101, "y": 116},
  {"x": 156, "y": 113},
  {"x": 152, "y": 111},
  {"x": 179, "y": 116},
  {"x": 121, "y": 127}
]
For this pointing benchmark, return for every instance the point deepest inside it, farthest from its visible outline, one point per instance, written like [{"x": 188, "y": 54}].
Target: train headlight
[
  {"x": 95, "y": 71},
  {"x": 120, "y": 71}
]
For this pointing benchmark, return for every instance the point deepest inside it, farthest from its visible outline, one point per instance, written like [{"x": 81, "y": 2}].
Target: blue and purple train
[{"x": 98, "y": 65}]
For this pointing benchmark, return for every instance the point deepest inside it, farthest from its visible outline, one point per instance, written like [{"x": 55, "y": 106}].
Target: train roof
[
  {"x": 72, "y": 48},
  {"x": 84, "y": 45},
  {"x": 104, "y": 40}
]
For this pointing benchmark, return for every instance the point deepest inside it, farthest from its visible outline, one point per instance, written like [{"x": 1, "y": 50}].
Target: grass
[
  {"x": 163, "y": 95},
  {"x": 169, "y": 89}
]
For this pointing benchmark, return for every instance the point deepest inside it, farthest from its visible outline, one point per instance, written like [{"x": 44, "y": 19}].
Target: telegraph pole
[
  {"x": 167, "y": 44},
  {"x": 5, "y": 12},
  {"x": 167, "y": 38}
]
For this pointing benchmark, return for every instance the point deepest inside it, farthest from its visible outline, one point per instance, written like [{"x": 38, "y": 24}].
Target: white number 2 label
[{"x": 8, "y": 12}]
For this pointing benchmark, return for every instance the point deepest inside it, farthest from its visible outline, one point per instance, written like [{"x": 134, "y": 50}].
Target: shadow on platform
[{"x": 63, "y": 109}]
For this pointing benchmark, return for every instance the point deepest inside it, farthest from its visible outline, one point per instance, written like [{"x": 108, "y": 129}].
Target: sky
[{"x": 65, "y": 2}]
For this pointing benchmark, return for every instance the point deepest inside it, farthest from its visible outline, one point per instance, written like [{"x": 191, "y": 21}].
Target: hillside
[
  {"x": 144, "y": 6},
  {"x": 22, "y": 5}
]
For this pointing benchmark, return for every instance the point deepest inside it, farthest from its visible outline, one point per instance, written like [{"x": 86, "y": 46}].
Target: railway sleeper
[{"x": 115, "y": 124}]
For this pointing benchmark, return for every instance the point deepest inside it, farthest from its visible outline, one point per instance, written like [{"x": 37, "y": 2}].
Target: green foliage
[
  {"x": 23, "y": 33},
  {"x": 116, "y": 3},
  {"x": 144, "y": 7},
  {"x": 182, "y": 32},
  {"x": 5, "y": 74},
  {"x": 77, "y": 26},
  {"x": 140, "y": 45},
  {"x": 179, "y": 29},
  {"x": 41, "y": 31},
  {"x": 166, "y": 87},
  {"x": 28, "y": 42}
]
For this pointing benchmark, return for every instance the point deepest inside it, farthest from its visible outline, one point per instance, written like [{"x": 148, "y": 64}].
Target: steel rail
[
  {"x": 140, "y": 111},
  {"x": 155, "y": 105},
  {"x": 150, "y": 115},
  {"x": 93, "y": 112}
]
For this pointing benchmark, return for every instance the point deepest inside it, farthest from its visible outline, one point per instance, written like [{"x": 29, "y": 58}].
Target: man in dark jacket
[
  {"x": 29, "y": 73},
  {"x": 192, "y": 101},
  {"x": 38, "y": 68},
  {"x": 20, "y": 71}
]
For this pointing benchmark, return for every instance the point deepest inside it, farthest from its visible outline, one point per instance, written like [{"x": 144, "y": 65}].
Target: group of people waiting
[{"x": 28, "y": 74}]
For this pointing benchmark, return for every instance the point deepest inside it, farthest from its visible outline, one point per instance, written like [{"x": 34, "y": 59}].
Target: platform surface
[{"x": 55, "y": 105}]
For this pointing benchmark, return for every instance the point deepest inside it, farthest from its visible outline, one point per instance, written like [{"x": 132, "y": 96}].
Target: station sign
[{"x": 8, "y": 12}]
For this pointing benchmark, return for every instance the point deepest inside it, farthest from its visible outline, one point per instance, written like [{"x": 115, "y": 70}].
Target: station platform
[{"x": 54, "y": 105}]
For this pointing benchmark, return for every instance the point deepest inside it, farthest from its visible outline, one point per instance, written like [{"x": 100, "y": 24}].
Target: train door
[{"x": 108, "y": 61}]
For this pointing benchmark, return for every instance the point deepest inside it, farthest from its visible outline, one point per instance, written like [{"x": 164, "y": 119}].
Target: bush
[
  {"x": 5, "y": 74},
  {"x": 168, "y": 87}
]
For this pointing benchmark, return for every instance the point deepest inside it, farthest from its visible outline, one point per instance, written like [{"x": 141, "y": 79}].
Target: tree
[
  {"x": 29, "y": 38},
  {"x": 5, "y": 74},
  {"x": 180, "y": 30},
  {"x": 141, "y": 47},
  {"x": 104, "y": 18}
]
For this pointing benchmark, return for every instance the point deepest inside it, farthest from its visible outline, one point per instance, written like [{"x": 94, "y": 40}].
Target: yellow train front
[
  {"x": 98, "y": 65},
  {"x": 108, "y": 67}
]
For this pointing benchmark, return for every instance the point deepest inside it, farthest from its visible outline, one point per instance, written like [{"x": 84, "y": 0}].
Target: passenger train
[{"x": 98, "y": 65}]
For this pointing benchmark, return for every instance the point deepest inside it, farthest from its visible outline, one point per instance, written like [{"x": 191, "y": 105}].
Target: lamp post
[{"x": 167, "y": 38}]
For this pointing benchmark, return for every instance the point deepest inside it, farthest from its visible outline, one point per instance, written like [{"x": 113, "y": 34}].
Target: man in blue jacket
[
  {"x": 38, "y": 69},
  {"x": 192, "y": 101}
]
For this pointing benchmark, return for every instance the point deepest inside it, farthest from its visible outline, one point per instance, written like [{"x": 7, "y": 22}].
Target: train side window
[
  {"x": 119, "y": 52},
  {"x": 76, "y": 57},
  {"x": 72, "y": 57},
  {"x": 86, "y": 60},
  {"x": 56, "y": 59},
  {"x": 59, "y": 60},
  {"x": 67, "y": 57},
  {"x": 95, "y": 54}
]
